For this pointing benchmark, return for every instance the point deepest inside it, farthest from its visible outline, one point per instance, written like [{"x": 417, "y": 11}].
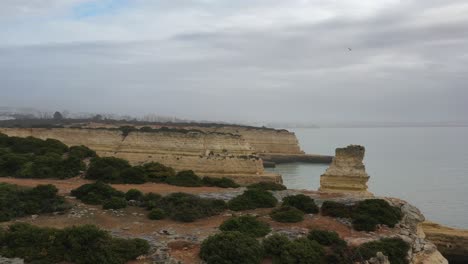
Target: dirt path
[{"x": 65, "y": 186}]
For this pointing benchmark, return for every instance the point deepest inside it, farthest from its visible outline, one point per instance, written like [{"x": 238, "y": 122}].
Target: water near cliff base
[{"x": 425, "y": 166}]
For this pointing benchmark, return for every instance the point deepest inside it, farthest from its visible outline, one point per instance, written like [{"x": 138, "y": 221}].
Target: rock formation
[
  {"x": 347, "y": 173},
  {"x": 451, "y": 242},
  {"x": 208, "y": 154}
]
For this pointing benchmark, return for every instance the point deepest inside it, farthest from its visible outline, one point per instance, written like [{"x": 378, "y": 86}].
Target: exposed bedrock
[
  {"x": 451, "y": 242},
  {"x": 346, "y": 173},
  {"x": 208, "y": 154}
]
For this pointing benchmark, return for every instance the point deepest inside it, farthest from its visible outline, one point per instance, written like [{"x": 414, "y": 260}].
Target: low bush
[
  {"x": 335, "y": 209},
  {"x": 326, "y": 238},
  {"x": 380, "y": 210},
  {"x": 133, "y": 175},
  {"x": 301, "y": 202},
  {"x": 78, "y": 244},
  {"x": 274, "y": 245},
  {"x": 156, "y": 172},
  {"x": 18, "y": 201},
  {"x": 287, "y": 214},
  {"x": 150, "y": 200},
  {"x": 156, "y": 214},
  {"x": 134, "y": 194},
  {"x": 220, "y": 182},
  {"x": 302, "y": 250},
  {"x": 395, "y": 248},
  {"x": 185, "y": 178},
  {"x": 188, "y": 208},
  {"x": 252, "y": 199},
  {"x": 81, "y": 152},
  {"x": 96, "y": 193},
  {"x": 107, "y": 169},
  {"x": 115, "y": 203},
  {"x": 246, "y": 224},
  {"x": 267, "y": 186},
  {"x": 366, "y": 214},
  {"x": 231, "y": 248}
]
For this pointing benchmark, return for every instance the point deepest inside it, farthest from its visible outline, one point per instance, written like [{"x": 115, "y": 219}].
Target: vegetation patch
[
  {"x": 219, "y": 182},
  {"x": 18, "y": 201},
  {"x": 96, "y": 193},
  {"x": 302, "y": 250},
  {"x": 301, "y": 202},
  {"x": 185, "y": 178},
  {"x": 326, "y": 238},
  {"x": 231, "y": 248},
  {"x": 79, "y": 244},
  {"x": 115, "y": 203},
  {"x": 188, "y": 208},
  {"x": 156, "y": 214},
  {"x": 287, "y": 214},
  {"x": 395, "y": 248},
  {"x": 36, "y": 158},
  {"x": 252, "y": 199},
  {"x": 335, "y": 209},
  {"x": 274, "y": 245},
  {"x": 267, "y": 186},
  {"x": 157, "y": 172},
  {"x": 246, "y": 224}
]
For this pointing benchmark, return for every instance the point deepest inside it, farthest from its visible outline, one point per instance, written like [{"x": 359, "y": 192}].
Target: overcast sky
[{"x": 255, "y": 60}]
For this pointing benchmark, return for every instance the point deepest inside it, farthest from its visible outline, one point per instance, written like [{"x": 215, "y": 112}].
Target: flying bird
[{"x": 349, "y": 49}]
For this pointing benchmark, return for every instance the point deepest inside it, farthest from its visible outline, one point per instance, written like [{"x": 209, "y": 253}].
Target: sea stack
[{"x": 347, "y": 173}]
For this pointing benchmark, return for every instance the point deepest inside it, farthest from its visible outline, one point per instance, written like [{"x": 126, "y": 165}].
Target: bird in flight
[{"x": 349, "y": 49}]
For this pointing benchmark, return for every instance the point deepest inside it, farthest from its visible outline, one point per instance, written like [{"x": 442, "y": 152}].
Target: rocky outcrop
[
  {"x": 208, "y": 154},
  {"x": 347, "y": 173},
  {"x": 451, "y": 242}
]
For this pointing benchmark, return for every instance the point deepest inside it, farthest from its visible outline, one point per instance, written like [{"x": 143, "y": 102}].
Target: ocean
[{"x": 426, "y": 166}]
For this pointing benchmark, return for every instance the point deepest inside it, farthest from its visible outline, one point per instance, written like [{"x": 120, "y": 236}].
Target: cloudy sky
[{"x": 253, "y": 60}]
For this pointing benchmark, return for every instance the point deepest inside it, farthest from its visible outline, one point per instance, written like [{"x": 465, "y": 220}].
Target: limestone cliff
[
  {"x": 208, "y": 154},
  {"x": 451, "y": 242},
  {"x": 347, "y": 173}
]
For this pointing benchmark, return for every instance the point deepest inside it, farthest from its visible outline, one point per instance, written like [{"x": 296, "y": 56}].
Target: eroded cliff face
[
  {"x": 208, "y": 154},
  {"x": 347, "y": 173},
  {"x": 451, "y": 242}
]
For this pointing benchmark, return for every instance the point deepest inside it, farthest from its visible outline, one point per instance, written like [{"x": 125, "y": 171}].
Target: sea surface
[{"x": 426, "y": 166}]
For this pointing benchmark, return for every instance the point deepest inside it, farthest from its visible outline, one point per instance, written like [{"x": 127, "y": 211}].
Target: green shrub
[
  {"x": 301, "y": 202},
  {"x": 287, "y": 214},
  {"x": 96, "y": 193},
  {"x": 156, "y": 172},
  {"x": 252, "y": 199},
  {"x": 335, "y": 209},
  {"x": 267, "y": 186},
  {"x": 326, "y": 238},
  {"x": 185, "y": 178},
  {"x": 115, "y": 203},
  {"x": 302, "y": 250},
  {"x": 18, "y": 201},
  {"x": 156, "y": 214},
  {"x": 187, "y": 207},
  {"x": 220, "y": 182},
  {"x": 107, "y": 169},
  {"x": 134, "y": 194},
  {"x": 246, "y": 224},
  {"x": 151, "y": 200},
  {"x": 395, "y": 248},
  {"x": 379, "y": 209},
  {"x": 133, "y": 175},
  {"x": 78, "y": 244},
  {"x": 274, "y": 245},
  {"x": 231, "y": 248},
  {"x": 81, "y": 152},
  {"x": 365, "y": 223}
]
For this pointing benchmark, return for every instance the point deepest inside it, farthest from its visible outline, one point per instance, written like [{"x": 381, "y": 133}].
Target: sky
[{"x": 243, "y": 60}]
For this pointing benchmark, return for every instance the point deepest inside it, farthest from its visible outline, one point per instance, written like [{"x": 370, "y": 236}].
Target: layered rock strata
[
  {"x": 347, "y": 173},
  {"x": 208, "y": 154},
  {"x": 451, "y": 242}
]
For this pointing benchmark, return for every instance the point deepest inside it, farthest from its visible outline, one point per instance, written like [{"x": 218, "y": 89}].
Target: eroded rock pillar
[{"x": 347, "y": 173}]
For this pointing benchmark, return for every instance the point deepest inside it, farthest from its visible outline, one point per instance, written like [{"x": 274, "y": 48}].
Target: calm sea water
[{"x": 425, "y": 166}]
